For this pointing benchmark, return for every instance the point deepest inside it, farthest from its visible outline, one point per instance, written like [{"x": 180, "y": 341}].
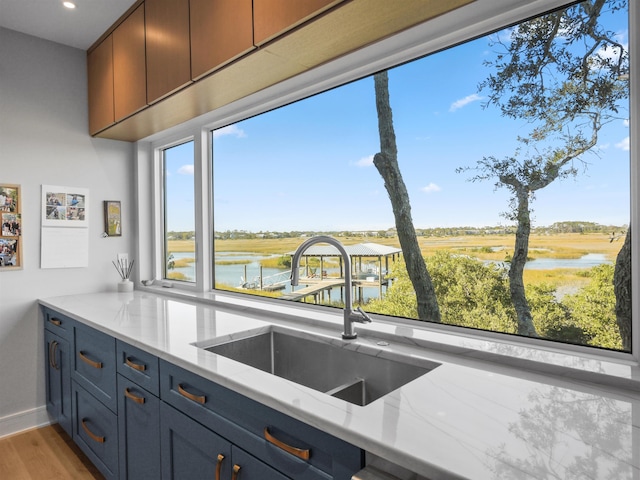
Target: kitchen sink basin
[{"x": 324, "y": 364}]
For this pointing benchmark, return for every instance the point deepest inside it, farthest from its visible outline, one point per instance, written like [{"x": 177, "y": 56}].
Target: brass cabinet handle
[
  {"x": 55, "y": 321},
  {"x": 219, "y": 465},
  {"x": 196, "y": 398},
  {"x": 52, "y": 354},
  {"x": 54, "y": 347},
  {"x": 88, "y": 361},
  {"x": 298, "y": 452},
  {"x": 236, "y": 469},
  {"x": 92, "y": 435},
  {"x": 133, "y": 397},
  {"x": 136, "y": 366}
]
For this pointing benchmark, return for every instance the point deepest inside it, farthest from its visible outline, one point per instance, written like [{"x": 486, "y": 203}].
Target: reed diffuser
[{"x": 124, "y": 269}]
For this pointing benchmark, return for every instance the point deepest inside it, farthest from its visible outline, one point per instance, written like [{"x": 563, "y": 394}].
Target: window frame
[{"x": 477, "y": 19}]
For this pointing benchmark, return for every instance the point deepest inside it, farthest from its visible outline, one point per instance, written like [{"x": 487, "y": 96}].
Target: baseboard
[{"x": 21, "y": 421}]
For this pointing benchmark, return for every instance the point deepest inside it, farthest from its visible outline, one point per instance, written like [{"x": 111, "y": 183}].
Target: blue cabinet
[
  {"x": 139, "y": 431},
  {"x": 139, "y": 417},
  {"x": 94, "y": 364},
  {"x": 95, "y": 431},
  {"x": 190, "y": 450},
  {"x": 58, "y": 379},
  {"x": 138, "y": 412},
  {"x": 291, "y": 447}
]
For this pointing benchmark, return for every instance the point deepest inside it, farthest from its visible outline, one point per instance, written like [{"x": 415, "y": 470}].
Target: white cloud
[
  {"x": 365, "y": 161},
  {"x": 186, "y": 170},
  {"x": 623, "y": 145},
  {"x": 625, "y": 122},
  {"x": 463, "y": 102},
  {"x": 432, "y": 187},
  {"x": 229, "y": 130}
]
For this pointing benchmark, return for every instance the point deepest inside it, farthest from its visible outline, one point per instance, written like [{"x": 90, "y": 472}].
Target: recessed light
[{"x": 69, "y": 5}]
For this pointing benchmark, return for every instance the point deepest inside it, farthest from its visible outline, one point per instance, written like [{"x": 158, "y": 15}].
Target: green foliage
[
  {"x": 593, "y": 309},
  {"x": 469, "y": 293},
  {"x": 473, "y": 294},
  {"x": 551, "y": 317}
]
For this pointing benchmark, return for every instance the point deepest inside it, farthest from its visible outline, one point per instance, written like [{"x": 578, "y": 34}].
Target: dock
[{"x": 314, "y": 286}]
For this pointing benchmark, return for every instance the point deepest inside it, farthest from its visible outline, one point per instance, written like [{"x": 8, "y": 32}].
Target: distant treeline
[{"x": 555, "y": 228}]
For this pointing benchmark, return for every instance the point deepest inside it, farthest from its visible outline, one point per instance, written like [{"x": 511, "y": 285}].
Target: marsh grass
[
  {"x": 233, "y": 262},
  {"x": 260, "y": 293},
  {"x": 557, "y": 277},
  {"x": 183, "y": 262}
]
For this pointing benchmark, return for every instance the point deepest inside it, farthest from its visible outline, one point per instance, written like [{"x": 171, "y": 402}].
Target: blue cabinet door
[
  {"x": 139, "y": 431},
  {"x": 58, "y": 379},
  {"x": 191, "y": 451},
  {"x": 250, "y": 468},
  {"x": 95, "y": 430}
]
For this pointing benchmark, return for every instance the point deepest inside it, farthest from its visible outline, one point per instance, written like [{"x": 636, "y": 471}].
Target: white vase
[{"x": 125, "y": 286}]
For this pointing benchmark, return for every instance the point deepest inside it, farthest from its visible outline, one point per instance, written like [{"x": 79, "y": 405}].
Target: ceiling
[{"x": 50, "y": 20}]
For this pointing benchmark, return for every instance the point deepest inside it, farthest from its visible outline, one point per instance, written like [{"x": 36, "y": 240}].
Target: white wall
[{"x": 44, "y": 140}]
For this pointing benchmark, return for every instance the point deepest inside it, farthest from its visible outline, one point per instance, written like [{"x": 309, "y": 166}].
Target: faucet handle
[{"x": 364, "y": 317}]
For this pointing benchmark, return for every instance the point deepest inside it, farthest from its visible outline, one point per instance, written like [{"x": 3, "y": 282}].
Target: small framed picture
[{"x": 112, "y": 218}]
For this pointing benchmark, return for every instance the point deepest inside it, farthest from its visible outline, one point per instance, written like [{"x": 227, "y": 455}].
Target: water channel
[{"x": 233, "y": 275}]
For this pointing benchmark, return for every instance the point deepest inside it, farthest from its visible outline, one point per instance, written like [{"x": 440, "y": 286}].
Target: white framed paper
[{"x": 65, "y": 206}]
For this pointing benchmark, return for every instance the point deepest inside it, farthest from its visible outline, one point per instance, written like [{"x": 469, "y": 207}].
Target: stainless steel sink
[{"x": 320, "y": 363}]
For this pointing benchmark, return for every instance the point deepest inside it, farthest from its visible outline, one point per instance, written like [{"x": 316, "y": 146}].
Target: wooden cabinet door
[
  {"x": 168, "y": 52},
  {"x": 100, "y": 84},
  {"x": 221, "y": 31},
  {"x": 274, "y": 17},
  {"x": 129, "y": 69}
]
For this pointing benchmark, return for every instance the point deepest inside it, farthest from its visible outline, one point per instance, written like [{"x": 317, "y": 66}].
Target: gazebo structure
[{"x": 365, "y": 274}]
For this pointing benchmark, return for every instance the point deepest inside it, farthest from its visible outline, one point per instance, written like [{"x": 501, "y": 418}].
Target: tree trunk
[
  {"x": 622, "y": 289},
  {"x": 518, "y": 261},
  {"x": 386, "y": 161}
]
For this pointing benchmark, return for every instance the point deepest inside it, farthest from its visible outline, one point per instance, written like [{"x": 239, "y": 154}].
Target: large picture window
[{"x": 485, "y": 186}]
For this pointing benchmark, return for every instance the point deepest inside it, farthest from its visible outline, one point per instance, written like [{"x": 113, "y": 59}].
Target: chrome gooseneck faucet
[{"x": 350, "y": 315}]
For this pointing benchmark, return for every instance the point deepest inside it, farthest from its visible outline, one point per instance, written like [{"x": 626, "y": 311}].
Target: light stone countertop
[{"x": 468, "y": 418}]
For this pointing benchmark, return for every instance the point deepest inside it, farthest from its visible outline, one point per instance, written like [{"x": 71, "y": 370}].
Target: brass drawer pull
[
  {"x": 136, "y": 366},
  {"x": 54, "y": 348},
  {"x": 133, "y": 397},
  {"x": 88, "y": 361},
  {"x": 92, "y": 435},
  {"x": 196, "y": 398},
  {"x": 298, "y": 452},
  {"x": 236, "y": 469},
  {"x": 55, "y": 321},
  {"x": 219, "y": 465}
]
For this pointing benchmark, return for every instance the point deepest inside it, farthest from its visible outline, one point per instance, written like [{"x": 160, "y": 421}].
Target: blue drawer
[
  {"x": 57, "y": 323},
  {"x": 94, "y": 364},
  {"x": 138, "y": 366}
]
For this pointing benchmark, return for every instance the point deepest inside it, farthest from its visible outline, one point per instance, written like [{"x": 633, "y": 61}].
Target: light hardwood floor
[{"x": 44, "y": 454}]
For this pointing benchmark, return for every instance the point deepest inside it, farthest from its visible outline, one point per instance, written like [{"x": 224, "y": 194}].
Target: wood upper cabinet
[
  {"x": 168, "y": 51},
  {"x": 221, "y": 31},
  {"x": 129, "y": 69},
  {"x": 274, "y": 17},
  {"x": 100, "y": 84}
]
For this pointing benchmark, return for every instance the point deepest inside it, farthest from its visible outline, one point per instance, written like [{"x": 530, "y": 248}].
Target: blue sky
[{"x": 308, "y": 166}]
